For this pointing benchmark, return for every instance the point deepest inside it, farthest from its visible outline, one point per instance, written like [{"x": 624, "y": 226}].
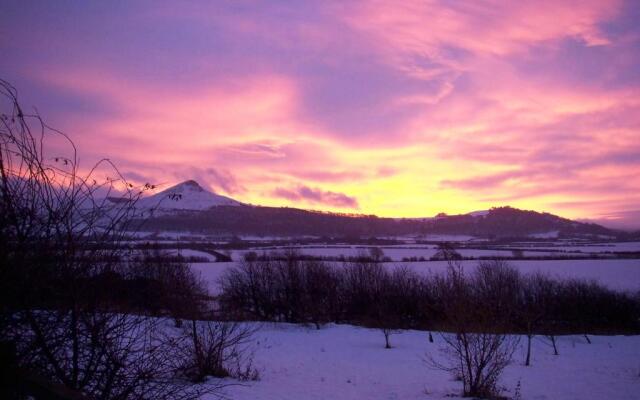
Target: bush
[
  {"x": 63, "y": 263},
  {"x": 479, "y": 348},
  {"x": 219, "y": 349},
  {"x": 287, "y": 287}
]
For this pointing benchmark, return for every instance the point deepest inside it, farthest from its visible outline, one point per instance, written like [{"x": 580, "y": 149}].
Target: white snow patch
[
  {"x": 188, "y": 195},
  {"x": 344, "y": 362}
]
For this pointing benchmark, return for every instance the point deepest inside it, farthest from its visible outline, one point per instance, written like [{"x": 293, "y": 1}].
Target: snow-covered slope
[{"x": 188, "y": 195}]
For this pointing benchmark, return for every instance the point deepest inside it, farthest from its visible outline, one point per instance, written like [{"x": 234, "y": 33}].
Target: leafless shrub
[
  {"x": 446, "y": 252},
  {"x": 61, "y": 253},
  {"x": 478, "y": 348},
  {"x": 169, "y": 286},
  {"x": 536, "y": 296},
  {"x": 287, "y": 287},
  {"x": 478, "y": 359},
  {"x": 321, "y": 293},
  {"x": 376, "y": 254},
  {"x": 248, "y": 291},
  {"x": 283, "y": 288},
  {"x": 400, "y": 304},
  {"x": 497, "y": 285},
  {"x": 362, "y": 285},
  {"x": 216, "y": 349},
  {"x": 104, "y": 356}
]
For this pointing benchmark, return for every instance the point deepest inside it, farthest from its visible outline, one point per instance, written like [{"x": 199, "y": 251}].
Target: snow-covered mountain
[{"x": 188, "y": 195}]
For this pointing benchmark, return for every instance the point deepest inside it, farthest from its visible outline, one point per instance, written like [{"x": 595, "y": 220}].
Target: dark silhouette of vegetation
[
  {"x": 446, "y": 251},
  {"x": 79, "y": 308},
  {"x": 361, "y": 291},
  {"x": 478, "y": 312},
  {"x": 215, "y": 348},
  {"x": 498, "y": 223}
]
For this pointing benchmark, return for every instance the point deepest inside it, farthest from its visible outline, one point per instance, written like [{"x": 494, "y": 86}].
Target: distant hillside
[
  {"x": 275, "y": 221},
  {"x": 512, "y": 222},
  {"x": 501, "y": 222},
  {"x": 189, "y": 207}
]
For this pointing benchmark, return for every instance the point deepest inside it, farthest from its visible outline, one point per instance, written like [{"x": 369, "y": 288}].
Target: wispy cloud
[
  {"x": 410, "y": 107},
  {"x": 317, "y": 196}
]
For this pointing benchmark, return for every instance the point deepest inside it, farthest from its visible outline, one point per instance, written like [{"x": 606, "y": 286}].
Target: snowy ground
[
  {"x": 347, "y": 362},
  {"x": 398, "y": 252}
]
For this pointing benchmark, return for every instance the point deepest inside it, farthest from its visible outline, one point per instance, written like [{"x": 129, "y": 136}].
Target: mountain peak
[
  {"x": 189, "y": 185},
  {"x": 187, "y": 195}
]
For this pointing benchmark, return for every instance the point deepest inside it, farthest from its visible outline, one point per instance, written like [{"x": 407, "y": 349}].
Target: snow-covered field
[
  {"x": 398, "y": 252},
  {"x": 348, "y": 362},
  {"x": 592, "y": 247}
]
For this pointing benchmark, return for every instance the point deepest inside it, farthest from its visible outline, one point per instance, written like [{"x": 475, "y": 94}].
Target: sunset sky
[{"x": 395, "y": 108}]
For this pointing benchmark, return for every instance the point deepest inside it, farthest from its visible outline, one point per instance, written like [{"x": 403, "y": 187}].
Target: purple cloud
[
  {"x": 317, "y": 196},
  {"x": 321, "y": 93}
]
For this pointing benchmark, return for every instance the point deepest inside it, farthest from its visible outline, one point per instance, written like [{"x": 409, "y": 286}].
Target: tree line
[
  {"x": 481, "y": 314},
  {"x": 290, "y": 288}
]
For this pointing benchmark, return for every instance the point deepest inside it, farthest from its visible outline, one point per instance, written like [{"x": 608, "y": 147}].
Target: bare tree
[
  {"x": 401, "y": 304},
  {"x": 446, "y": 252},
  {"x": 497, "y": 284},
  {"x": 376, "y": 254},
  {"x": 478, "y": 349},
  {"x": 363, "y": 282},
  {"x": 216, "y": 348},
  {"x": 382, "y": 312},
  {"x": 321, "y": 296},
  {"x": 536, "y": 295},
  {"x": 175, "y": 289},
  {"x": 60, "y": 241}
]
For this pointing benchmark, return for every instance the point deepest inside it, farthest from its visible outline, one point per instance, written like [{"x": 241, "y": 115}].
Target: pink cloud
[
  {"x": 317, "y": 196},
  {"x": 465, "y": 102},
  {"x": 423, "y": 29}
]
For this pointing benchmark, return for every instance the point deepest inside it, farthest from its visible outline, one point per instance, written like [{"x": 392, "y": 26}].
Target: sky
[{"x": 402, "y": 109}]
